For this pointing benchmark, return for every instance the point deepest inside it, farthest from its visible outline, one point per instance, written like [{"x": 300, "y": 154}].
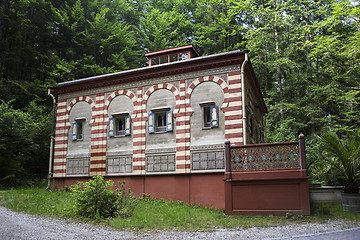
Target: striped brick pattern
[
  {"x": 128, "y": 93},
  {"x": 182, "y": 156},
  {"x": 61, "y": 138},
  {"x": 62, "y": 130},
  {"x": 189, "y": 110},
  {"x": 98, "y": 138},
  {"x": 78, "y": 99},
  {"x": 233, "y": 113},
  {"x": 139, "y": 128},
  {"x": 183, "y": 161}
]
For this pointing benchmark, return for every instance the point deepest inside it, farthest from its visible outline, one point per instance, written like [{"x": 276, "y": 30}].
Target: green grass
[{"x": 156, "y": 214}]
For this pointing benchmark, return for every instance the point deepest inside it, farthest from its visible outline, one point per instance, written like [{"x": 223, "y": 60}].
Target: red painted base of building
[
  {"x": 245, "y": 193},
  {"x": 268, "y": 193},
  {"x": 205, "y": 189}
]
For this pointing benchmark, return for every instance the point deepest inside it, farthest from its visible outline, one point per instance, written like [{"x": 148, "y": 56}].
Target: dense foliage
[
  {"x": 95, "y": 199},
  {"x": 305, "y": 54}
]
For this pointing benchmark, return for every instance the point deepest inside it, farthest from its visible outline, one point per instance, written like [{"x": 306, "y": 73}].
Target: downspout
[
  {"x": 242, "y": 75},
  {"x": 52, "y": 138}
]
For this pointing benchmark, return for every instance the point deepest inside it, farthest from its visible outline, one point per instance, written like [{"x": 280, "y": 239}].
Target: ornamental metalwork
[{"x": 265, "y": 157}]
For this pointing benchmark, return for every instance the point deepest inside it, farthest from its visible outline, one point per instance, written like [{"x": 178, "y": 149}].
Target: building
[{"x": 161, "y": 128}]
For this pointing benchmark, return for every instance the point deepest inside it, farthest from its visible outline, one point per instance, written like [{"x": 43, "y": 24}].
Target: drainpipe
[
  {"x": 242, "y": 75},
  {"x": 52, "y": 138}
]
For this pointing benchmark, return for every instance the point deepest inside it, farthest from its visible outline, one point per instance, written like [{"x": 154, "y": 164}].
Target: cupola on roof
[{"x": 172, "y": 55}]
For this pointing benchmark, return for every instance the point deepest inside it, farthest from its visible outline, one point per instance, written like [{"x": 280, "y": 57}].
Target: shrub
[{"x": 96, "y": 200}]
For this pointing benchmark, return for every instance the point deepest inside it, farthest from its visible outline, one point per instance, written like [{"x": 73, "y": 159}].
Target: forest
[{"x": 306, "y": 55}]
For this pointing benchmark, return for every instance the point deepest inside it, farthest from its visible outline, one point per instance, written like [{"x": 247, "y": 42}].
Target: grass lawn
[{"x": 156, "y": 214}]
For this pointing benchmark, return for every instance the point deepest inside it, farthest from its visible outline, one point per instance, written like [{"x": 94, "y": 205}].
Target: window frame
[
  {"x": 77, "y": 129},
  {"x": 206, "y": 115},
  {"x": 115, "y": 120},
  {"x": 167, "y": 119}
]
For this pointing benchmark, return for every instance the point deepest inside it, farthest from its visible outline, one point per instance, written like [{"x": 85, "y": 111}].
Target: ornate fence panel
[{"x": 265, "y": 157}]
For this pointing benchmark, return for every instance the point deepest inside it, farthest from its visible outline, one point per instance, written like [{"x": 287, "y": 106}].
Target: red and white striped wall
[{"x": 232, "y": 108}]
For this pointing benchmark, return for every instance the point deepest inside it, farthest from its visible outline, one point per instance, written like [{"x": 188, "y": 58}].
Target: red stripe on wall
[
  {"x": 235, "y": 90},
  {"x": 97, "y": 170},
  {"x": 59, "y": 149},
  {"x": 138, "y": 159},
  {"x": 182, "y": 148},
  {"x": 234, "y": 108},
  {"x": 183, "y": 131},
  {"x": 59, "y": 171},
  {"x": 59, "y": 163},
  {"x": 233, "y": 99},
  {"x": 63, "y": 156},
  {"x": 98, "y": 139},
  {"x": 180, "y": 140},
  {"x": 182, "y": 166},
  {"x": 99, "y": 131},
  {"x": 98, "y": 161},
  {"x": 234, "y": 73},
  {"x": 138, "y": 167},
  {"x": 59, "y": 114},
  {"x": 233, "y": 117},
  {"x": 140, "y": 151},
  {"x": 60, "y": 135},
  {"x": 140, "y": 143},
  {"x": 233, "y": 135},
  {"x": 58, "y": 142},
  {"x": 234, "y": 126},
  {"x": 98, "y": 154},
  {"x": 98, "y": 146}
]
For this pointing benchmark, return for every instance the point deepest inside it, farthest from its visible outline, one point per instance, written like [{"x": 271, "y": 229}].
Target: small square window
[
  {"x": 154, "y": 61},
  {"x": 163, "y": 59},
  {"x": 183, "y": 56},
  {"x": 173, "y": 58}
]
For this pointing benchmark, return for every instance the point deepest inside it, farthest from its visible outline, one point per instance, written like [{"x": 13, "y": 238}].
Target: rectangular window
[
  {"x": 183, "y": 56},
  {"x": 119, "y": 164},
  {"x": 160, "y": 121},
  {"x": 173, "y": 58},
  {"x": 78, "y": 166},
  {"x": 208, "y": 160},
  {"x": 160, "y": 163},
  {"x": 164, "y": 59},
  {"x": 119, "y": 125},
  {"x": 77, "y": 129},
  {"x": 210, "y": 116},
  {"x": 207, "y": 118},
  {"x": 154, "y": 61}
]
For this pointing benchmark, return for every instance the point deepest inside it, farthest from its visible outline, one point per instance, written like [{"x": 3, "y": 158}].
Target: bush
[{"x": 96, "y": 200}]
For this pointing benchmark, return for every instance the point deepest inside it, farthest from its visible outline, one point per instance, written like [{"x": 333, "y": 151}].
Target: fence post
[
  {"x": 227, "y": 160},
  {"x": 302, "y": 151}
]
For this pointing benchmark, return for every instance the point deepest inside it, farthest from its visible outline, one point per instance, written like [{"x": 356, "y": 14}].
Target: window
[
  {"x": 77, "y": 129},
  {"x": 119, "y": 125},
  {"x": 210, "y": 115},
  {"x": 154, "y": 61},
  {"x": 160, "y": 163},
  {"x": 121, "y": 164},
  {"x": 160, "y": 121},
  {"x": 208, "y": 160},
  {"x": 78, "y": 166}
]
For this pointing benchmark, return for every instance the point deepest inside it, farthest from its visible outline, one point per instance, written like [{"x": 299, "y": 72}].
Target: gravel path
[{"x": 16, "y": 225}]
